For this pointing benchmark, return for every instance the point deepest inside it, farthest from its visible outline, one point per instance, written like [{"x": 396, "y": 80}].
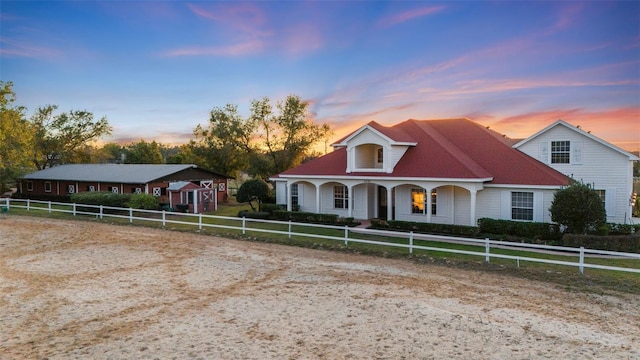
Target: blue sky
[{"x": 156, "y": 68}]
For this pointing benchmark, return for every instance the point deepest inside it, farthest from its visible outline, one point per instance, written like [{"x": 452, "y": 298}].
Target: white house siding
[
  {"x": 443, "y": 205},
  {"x": 281, "y": 192},
  {"x": 488, "y": 203},
  {"x": 307, "y": 197},
  {"x": 462, "y": 206},
  {"x": 600, "y": 166},
  {"x": 396, "y": 154},
  {"x": 360, "y": 199}
]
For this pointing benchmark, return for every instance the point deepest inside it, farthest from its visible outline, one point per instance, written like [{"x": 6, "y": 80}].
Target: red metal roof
[{"x": 447, "y": 149}]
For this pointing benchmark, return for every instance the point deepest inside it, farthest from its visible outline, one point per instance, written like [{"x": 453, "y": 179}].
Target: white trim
[
  {"x": 378, "y": 178},
  {"x": 369, "y": 127}
]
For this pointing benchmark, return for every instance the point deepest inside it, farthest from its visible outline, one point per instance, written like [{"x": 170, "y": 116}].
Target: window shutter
[
  {"x": 576, "y": 152},
  {"x": 610, "y": 202},
  {"x": 543, "y": 151},
  {"x": 505, "y": 205},
  {"x": 538, "y": 206}
]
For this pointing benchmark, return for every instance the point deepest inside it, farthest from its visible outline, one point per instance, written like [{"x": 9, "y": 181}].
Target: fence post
[
  {"x": 581, "y": 265},
  {"x": 289, "y": 229},
  {"x": 164, "y": 221},
  {"x": 244, "y": 231},
  {"x": 27, "y": 204},
  {"x": 411, "y": 242},
  {"x": 100, "y": 212},
  {"x": 8, "y": 203},
  {"x": 130, "y": 215},
  {"x": 486, "y": 250},
  {"x": 49, "y": 206},
  {"x": 74, "y": 209},
  {"x": 346, "y": 235},
  {"x": 200, "y": 221}
]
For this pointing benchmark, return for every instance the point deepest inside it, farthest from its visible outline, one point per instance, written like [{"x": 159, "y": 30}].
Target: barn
[{"x": 65, "y": 180}]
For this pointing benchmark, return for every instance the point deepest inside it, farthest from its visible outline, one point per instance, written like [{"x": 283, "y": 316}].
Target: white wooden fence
[{"x": 244, "y": 225}]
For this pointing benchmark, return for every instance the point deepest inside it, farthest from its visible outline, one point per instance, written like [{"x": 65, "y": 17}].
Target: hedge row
[
  {"x": 298, "y": 216},
  {"x": 520, "y": 229},
  {"x": 428, "y": 228},
  {"x": 622, "y": 243}
]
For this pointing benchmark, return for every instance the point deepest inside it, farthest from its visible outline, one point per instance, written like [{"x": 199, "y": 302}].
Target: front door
[{"x": 382, "y": 203}]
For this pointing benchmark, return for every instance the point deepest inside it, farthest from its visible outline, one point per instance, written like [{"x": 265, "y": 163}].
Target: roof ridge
[{"x": 450, "y": 147}]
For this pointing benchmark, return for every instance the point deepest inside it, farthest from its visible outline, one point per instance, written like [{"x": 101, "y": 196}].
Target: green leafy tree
[
  {"x": 253, "y": 190},
  {"x": 60, "y": 138},
  {"x": 16, "y": 138},
  {"x": 224, "y": 145},
  {"x": 578, "y": 207},
  {"x": 110, "y": 153},
  {"x": 288, "y": 135},
  {"x": 143, "y": 152}
]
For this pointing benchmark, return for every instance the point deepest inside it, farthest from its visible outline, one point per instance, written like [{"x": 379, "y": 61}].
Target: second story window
[
  {"x": 380, "y": 155},
  {"x": 560, "y": 152}
]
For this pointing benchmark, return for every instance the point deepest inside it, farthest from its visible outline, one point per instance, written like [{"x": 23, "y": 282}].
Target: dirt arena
[{"x": 74, "y": 289}]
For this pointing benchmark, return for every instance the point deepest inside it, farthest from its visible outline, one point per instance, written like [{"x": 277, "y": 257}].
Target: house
[
  {"x": 451, "y": 171},
  {"x": 584, "y": 157},
  {"x": 64, "y": 180}
]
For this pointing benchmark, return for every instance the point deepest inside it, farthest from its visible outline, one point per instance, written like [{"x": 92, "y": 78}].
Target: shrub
[
  {"x": 622, "y": 243},
  {"x": 105, "y": 198},
  {"x": 270, "y": 208},
  {"x": 520, "y": 229},
  {"x": 426, "y": 228},
  {"x": 143, "y": 201},
  {"x": 254, "y": 214},
  {"x": 579, "y": 207}
]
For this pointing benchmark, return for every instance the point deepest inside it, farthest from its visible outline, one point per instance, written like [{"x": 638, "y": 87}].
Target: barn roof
[
  {"x": 120, "y": 173},
  {"x": 447, "y": 149}
]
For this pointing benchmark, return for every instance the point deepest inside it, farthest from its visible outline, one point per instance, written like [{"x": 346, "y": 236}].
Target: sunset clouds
[{"x": 156, "y": 69}]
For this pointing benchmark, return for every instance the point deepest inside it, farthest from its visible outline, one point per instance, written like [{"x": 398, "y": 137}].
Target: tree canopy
[
  {"x": 253, "y": 190},
  {"x": 578, "y": 207},
  {"x": 15, "y": 138},
  {"x": 60, "y": 138}
]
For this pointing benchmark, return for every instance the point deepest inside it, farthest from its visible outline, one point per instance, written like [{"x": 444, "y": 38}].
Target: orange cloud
[{"x": 620, "y": 126}]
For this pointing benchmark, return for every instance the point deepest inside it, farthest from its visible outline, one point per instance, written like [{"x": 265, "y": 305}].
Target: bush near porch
[{"x": 426, "y": 228}]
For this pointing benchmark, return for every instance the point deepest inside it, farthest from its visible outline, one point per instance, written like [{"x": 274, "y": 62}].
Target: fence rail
[{"x": 347, "y": 233}]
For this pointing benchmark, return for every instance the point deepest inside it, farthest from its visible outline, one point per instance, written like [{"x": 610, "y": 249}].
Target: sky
[{"x": 155, "y": 69}]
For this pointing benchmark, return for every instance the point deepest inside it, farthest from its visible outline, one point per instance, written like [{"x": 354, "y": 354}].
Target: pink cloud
[
  {"x": 245, "y": 18},
  {"x": 12, "y": 48},
  {"x": 239, "y": 49},
  {"x": 409, "y": 15}
]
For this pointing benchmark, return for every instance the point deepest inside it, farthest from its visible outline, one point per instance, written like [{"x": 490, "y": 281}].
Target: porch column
[
  {"x": 473, "y": 207},
  {"x": 317, "y": 199},
  {"x": 350, "y": 201},
  {"x": 429, "y": 203},
  {"x": 389, "y": 204},
  {"x": 288, "y": 195},
  {"x": 195, "y": 201}
]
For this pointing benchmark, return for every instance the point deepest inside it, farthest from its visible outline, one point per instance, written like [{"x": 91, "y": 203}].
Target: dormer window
[{"x": 380, "y": 155}]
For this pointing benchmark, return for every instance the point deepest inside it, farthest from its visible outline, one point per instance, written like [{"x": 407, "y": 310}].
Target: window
[
  {"x": 417, "y": 201},
  {"x": 29, "y": 185},
  {"x": 156, "y": 191},
  {"x": 91, "y": 188},
  {"x": 380, "y": 155},
  {"x": 522, "y": 205},
  {"x": 47, "y": 186},
  {"x": 71, "y": 189},
  {"x": 114, "y": 189},
  {"x": 434, "y": 202},
  {"x": 340, "y": 197},
  {"x": 136, "y": 190},
  {"x": 560, "y": 152},
  {"x": 294, "y": 197}
]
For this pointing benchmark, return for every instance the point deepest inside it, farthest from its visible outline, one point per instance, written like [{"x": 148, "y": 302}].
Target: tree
[
  {"x": 59, "y": 138},
  {"x": 110, "y": 153},
  {"x": 578, "y": 207},
  {"x": 225, "y": 144},
  {"x": 253, "y": 190},
  {"x": 143, "y": 152},
  {"x": 288, "y": 135},
  {"x": 15, "y": 138}
]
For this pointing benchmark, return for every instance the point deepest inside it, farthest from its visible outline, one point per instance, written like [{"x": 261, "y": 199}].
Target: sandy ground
[{"x": 72, "y": 289}]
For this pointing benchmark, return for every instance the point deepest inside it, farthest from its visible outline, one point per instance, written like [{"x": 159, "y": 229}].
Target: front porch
[{"x": 422, "y": 201}]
